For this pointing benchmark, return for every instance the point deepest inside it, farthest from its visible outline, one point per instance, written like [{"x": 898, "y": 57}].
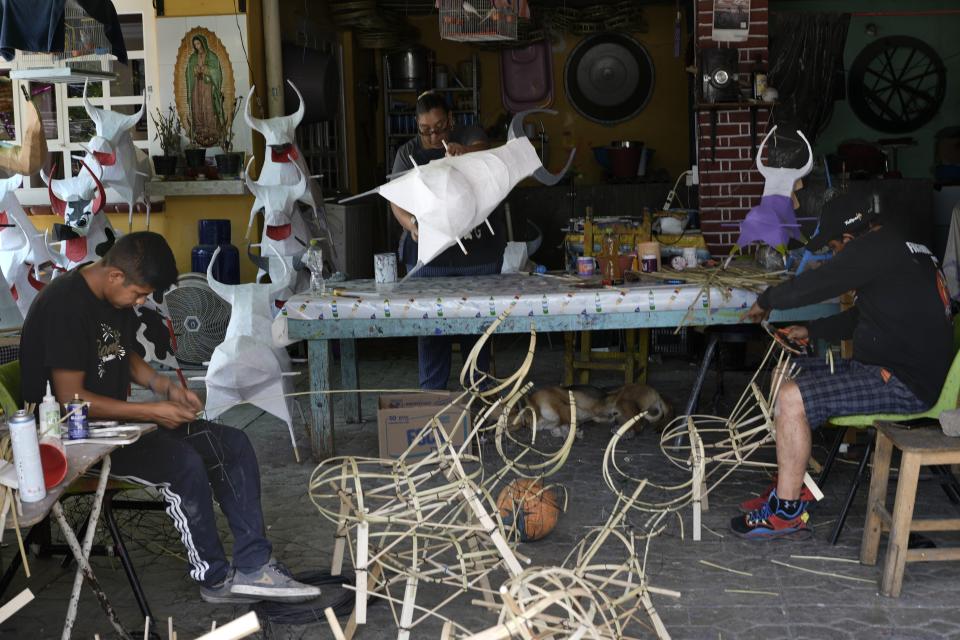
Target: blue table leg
[
  {"x": 349, "y": 380},
  {"x": 318, "y": 353}
]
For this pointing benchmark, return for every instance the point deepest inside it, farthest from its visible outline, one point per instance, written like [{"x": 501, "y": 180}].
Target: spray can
[
  {"x": 49, "y": 413},
  {"x": 26, "y": 457},
  {"x": 77, "y": 427}
]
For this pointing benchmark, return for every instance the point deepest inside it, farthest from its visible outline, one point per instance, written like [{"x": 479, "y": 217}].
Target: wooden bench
[{"x": 920, "y": 446}]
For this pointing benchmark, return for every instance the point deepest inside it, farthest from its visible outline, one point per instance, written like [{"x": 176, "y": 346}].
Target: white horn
[
  {"x": 809, "y": 165},
  {"x": 298, "y": 116},
  {"x": 762, "y": 168},
  {"x": 44, "y": 177},
  {"x": 222, "y": 290},
  {"x": 253, "y": 123},
  {"x": 132, "y": 120},
  {"x": 92, "y": 111}
]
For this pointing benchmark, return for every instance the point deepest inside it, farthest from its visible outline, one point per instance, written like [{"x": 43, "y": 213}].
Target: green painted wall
[{"x": 938, "y": 31}]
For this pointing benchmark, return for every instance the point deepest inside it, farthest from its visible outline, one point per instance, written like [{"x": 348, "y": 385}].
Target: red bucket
[{"x": 53, "y": 459}]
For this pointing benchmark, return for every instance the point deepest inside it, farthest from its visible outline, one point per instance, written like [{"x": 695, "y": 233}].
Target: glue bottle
[{"x": 49, "y": 413}]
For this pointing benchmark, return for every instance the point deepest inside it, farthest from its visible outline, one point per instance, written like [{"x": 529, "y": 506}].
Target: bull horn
[
  {"x": 277, "y": 287},
  {"x": 809, "y": 165},
  {"x": 261, "y": 262},
  {"x": 222, "y": 290},
  {"x": 132, "y": 120},
  {"x": 59, "y": 206},
  {"x": 301, "y": 186},
  {"x": 301, "y": 109},
  {"x": 762, "y": 168},
  {"x": 516, "y": 125},
  {"x": 254, "y": 189},
  {"x": 550, "y": 179},
  {"x": 101, "y": 199},
  {"x": 533, "y": 245},
  {"x": 11, "y": 183},
  {"x": 92, "y": 111},
  {"x": 253, "y": 123}
]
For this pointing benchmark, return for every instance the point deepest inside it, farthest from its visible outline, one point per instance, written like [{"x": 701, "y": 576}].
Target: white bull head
[
  {"x": 278, "y": 202},
  {"x": 125, "y": 168},
  {"x": 77, "y": 199},
  {"x": 279, "y": 131},
  {"x": 779, "y": 181},
  {"x": 248, "y": 366}
]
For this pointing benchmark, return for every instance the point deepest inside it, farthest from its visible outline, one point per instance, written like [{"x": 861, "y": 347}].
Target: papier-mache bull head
[
  {"x": 248, "y": 366},
  {"x": 278, "y": 202},
  {"x": 125, "y": 167},
  {"x": 77, "y": 199},
  {"x": 279, "y": 131}
]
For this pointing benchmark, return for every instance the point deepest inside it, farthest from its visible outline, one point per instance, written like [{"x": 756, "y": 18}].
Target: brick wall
[{"x": 730, "y": 184}]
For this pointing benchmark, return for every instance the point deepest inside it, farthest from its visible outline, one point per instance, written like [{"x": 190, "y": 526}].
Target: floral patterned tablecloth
[{"x": 475, "y": 297}]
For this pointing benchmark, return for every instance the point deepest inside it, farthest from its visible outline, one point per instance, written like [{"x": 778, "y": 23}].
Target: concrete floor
[{"x": 799, "y": 605}]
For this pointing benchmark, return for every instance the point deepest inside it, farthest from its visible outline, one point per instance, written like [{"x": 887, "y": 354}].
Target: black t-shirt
[
  {"x": 482, "y": 246},
  {"x": 68, "y": 327},
  {"x": 901, "y": 318}
]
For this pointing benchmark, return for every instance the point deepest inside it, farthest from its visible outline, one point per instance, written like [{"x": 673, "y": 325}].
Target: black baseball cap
[{"x": 847, "y": 213}]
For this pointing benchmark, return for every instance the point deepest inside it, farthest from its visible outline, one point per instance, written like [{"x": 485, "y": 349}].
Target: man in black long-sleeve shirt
[{"x": 902, "y": 346}]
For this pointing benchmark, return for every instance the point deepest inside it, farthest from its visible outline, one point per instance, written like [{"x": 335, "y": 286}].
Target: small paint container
[
  {"x": 648, "y": 263},
  {"x": 586, "y": 266},
  {"x": 385, "y": 268}
]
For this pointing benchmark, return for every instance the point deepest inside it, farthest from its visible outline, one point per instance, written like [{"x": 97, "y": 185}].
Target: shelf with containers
[{"x": 400, "y": 119}]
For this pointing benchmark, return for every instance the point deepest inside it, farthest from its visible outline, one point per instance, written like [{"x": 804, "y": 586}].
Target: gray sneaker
[
  {"x": 272, "y": 581},
  {"x": 221, "y": 593}
]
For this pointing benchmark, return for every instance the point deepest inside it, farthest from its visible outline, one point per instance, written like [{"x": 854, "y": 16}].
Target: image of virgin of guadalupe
[{"x": 204, "y": 91}]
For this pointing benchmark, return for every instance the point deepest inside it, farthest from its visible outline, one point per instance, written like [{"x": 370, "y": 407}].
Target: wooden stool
[
  {"x": 632, "y": 361},
  {"x": 920, "y": 446}
]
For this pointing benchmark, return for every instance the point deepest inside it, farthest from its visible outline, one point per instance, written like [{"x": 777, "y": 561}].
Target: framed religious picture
[{"x": 203, "y": 85}]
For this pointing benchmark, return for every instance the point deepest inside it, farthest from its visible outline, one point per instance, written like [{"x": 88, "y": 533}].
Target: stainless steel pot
[{"x": 409, "y": 68}]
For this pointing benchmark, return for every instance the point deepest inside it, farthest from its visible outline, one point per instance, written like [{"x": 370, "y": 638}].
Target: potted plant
[
  {"x": 229, "y": 162},
  {"x": 194, "y": 153},
  {"x": 168, "y": 133}
]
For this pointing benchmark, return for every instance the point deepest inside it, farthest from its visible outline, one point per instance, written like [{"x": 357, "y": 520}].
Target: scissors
[{"x": 799, "y": 347}]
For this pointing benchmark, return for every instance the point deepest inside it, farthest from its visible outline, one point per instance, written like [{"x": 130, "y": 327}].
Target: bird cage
[
  {"x": 86, "y": 53},
  {"x": 478, "y": 21}
]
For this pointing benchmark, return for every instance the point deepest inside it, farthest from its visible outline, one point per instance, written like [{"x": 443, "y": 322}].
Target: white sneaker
[{"x": 273, "y": 581}]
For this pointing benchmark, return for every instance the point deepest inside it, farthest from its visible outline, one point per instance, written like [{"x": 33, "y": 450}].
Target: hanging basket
[{"x": 478, "y": 21}]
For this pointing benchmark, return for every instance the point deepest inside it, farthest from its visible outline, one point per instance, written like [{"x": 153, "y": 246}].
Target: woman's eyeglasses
[{"x": 426, "y": 132}]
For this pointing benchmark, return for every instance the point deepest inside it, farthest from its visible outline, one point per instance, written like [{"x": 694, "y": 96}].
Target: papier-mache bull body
[
  {"x": 248, "y": 366},
  {"x": 454, "y": 194}
]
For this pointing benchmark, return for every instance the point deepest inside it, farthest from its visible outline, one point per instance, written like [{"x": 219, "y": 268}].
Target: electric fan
[{"x": 200, "y": 318}]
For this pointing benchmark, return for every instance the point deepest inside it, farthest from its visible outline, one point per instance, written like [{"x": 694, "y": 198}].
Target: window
[{"x": 65, "y": 121}]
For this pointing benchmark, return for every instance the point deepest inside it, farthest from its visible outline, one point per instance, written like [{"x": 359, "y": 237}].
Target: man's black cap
[{"x": 847, "y": 213}]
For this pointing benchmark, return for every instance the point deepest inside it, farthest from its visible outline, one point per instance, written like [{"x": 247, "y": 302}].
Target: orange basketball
[{"x": 527, "y": 506}]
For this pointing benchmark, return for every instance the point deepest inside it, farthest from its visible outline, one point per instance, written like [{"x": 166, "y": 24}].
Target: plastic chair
[
  {"x": 949, "y": 397},
  {"x": 11, "y": 399}
]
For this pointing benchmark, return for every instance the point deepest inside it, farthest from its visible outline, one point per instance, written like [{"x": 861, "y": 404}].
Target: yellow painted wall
[{"x": 662, "y": 124}]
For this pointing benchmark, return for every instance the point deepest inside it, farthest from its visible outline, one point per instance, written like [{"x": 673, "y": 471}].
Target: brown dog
[
  {"x": 624, "y": 403},
  {"x": 552, "y": 406}
]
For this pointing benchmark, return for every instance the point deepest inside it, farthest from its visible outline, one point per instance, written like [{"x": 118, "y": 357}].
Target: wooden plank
[
  {"x": 900, "y": 530},
  {"x": 876, "y": 501},
  {"x": 321, "y": 405},
  {"x": 933, "y": 555},
  {"x": 350, "y": 380}
]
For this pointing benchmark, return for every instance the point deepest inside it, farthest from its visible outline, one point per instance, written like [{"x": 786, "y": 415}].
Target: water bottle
[{"x": 313, "y": 260}]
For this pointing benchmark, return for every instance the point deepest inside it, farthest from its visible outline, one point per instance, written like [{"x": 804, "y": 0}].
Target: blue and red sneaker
[
  {"x": 772, "y": 520},
  {"x": 755, "y": 503}
]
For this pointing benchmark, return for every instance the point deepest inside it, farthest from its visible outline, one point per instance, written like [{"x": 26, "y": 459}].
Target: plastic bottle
[
  {"x": 313, "y": 260},
  {"x": 49, "y": 415}
]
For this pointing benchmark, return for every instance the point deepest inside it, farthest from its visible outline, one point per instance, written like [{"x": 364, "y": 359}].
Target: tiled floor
[{"x": 797, "y": 604}]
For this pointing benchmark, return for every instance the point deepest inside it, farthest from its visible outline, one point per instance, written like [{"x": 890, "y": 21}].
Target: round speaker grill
[{"x": 609, "y": 78}]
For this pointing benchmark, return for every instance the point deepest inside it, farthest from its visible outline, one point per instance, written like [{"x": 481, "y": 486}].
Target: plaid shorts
[{"x": 853, "y": 388}]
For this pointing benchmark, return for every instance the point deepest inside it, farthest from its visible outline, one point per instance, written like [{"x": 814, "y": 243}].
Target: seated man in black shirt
[
  {"x": 902, "y": 345},
  {"x": 438, "y": 136},
  {"x": 80, "y": 336}
]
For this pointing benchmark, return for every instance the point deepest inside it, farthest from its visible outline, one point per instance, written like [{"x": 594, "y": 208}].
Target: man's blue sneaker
[{"x": 770, "y": 521}]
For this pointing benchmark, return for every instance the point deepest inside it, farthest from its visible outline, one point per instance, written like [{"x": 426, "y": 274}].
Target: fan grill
[{"x": 200, "y": 318}]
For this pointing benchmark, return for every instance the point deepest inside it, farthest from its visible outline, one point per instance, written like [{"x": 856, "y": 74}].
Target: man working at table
[
  {"x": 80, "y": 335},
  {"x": 902, "y": 345},
  {"x": 439, "y": 136}
]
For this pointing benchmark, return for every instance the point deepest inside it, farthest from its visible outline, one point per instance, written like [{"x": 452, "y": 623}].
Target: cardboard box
[{"x": 401, "y": 416}]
